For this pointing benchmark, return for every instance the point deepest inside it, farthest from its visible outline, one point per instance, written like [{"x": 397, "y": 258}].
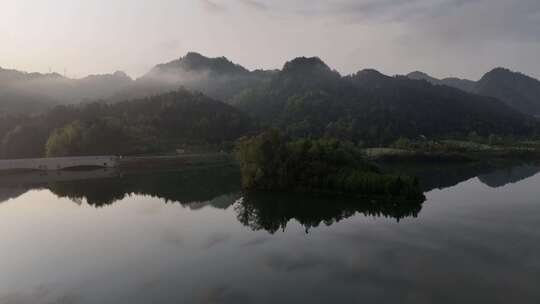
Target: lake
[{"x": 191, "y": 236}]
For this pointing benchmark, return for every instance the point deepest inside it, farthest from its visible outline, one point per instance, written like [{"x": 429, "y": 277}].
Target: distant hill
[
  {"x": 216, "y": 77},
  {"x": 517, "y": 90},
  {"x": 307, "y": 98},
  {"x": 462, "y": 84},
  {"x": 34, "y": 92}
]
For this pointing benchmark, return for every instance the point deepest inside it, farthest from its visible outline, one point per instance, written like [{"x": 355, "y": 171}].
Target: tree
[
  {"x": 402, "y": 143},
  {"x": 66, "y": 141}
]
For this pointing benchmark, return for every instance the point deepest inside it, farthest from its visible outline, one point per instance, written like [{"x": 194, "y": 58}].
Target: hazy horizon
[{"x": 442, "y": 38}]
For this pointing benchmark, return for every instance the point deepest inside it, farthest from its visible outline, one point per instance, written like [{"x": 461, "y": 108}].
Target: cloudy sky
[{"x": 463, "y": 38}]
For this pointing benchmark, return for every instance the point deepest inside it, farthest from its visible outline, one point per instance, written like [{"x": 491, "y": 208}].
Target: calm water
[{"x": 192, "y": 237}]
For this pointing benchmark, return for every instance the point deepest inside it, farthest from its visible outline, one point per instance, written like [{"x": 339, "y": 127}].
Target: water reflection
[
  {"x": 144, "y": 250},
  {"x": 105, "y": 187},
  {"x": 440, "y": 176},
  {"x": 272, "y": 212},
  {"x": 17, "y": 184},
  {"x": 219, "y": 187},
  {"x": 184, "y": 187},
  {"x": 510, "y": 175}
]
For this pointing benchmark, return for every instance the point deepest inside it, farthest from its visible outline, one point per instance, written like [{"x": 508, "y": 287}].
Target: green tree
[
  {"x": 402, "y": 143},
  {"x": 66, "y": 141}
]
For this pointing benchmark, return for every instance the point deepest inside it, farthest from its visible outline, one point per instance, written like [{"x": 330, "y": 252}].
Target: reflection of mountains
[
  {"x": 11, "y": 193},
  {"x": 99, "y": 188},
  {"x": 186, "y": 187},
  {"x": 440, "y": 176},
  {"x": 271, "y": 212},
  {"x": 220, "y": 187},
  {"x": 17, "y": 184},
  {"x": 502, "y": 177}
]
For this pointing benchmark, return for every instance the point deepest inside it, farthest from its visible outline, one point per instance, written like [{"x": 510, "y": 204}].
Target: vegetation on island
[{"x": 271, "y": 161}]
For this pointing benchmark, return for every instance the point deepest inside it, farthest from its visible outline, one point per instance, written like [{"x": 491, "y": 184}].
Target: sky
[{"x": 462, "y": 38}]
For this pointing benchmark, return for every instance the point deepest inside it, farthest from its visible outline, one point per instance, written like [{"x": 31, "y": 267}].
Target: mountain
[
  {"x": 417, "y": 75},
  {"x": 95, "y": 87},
  {"x": 216, "y": 77},
  {"x": 279, "y": 98},
  {"x": 462, "y": 84},
  {"x": 15, "y": 99},
  {"x": 22, "y": 92},
  {"x": 411, "y": 108},
  {"x": 307, "y": 98},
  {"x": 517, "y": 90}
]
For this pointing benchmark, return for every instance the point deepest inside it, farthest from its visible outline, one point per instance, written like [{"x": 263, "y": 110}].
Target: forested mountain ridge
[
  {"x": 224, "y": 80},
  {"x": 517, "y": 90},
  {"x": 307, "y": 98},
  {"x": 150, "y": 125}
]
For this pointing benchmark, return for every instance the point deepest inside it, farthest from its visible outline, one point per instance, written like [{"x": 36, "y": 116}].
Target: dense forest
[
  {"x": 155, "y": 124},
  {"x": 305, "y": 99},
  {"x": 271, "y": 161}
]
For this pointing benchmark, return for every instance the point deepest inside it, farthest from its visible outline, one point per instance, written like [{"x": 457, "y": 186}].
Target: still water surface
[{"x": 192, "y": 237}]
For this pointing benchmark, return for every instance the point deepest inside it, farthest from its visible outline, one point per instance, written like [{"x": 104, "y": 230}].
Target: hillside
[
  {"x": 517, "y": 90},
  {"x": 151, "y": 125},
  {"x": 307, "y": 98}
]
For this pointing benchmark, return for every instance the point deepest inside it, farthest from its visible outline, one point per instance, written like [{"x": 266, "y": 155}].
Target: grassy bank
[
  {"x": 168, "y": 161},
  {"x": 453, "y": 151}
]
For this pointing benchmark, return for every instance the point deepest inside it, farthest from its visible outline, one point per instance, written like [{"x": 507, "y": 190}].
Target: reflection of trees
[
  {"x": 271, "y": 212},
  {"x": 185, "y": 187}
]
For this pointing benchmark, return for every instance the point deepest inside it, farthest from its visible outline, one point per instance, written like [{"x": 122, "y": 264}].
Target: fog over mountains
[
  {"x": 219, "y": 78},
  {"x": 22, "y": 92}
]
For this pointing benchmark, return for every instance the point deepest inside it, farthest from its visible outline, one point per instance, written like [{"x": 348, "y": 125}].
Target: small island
[{"x": 272, "y": 162}]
